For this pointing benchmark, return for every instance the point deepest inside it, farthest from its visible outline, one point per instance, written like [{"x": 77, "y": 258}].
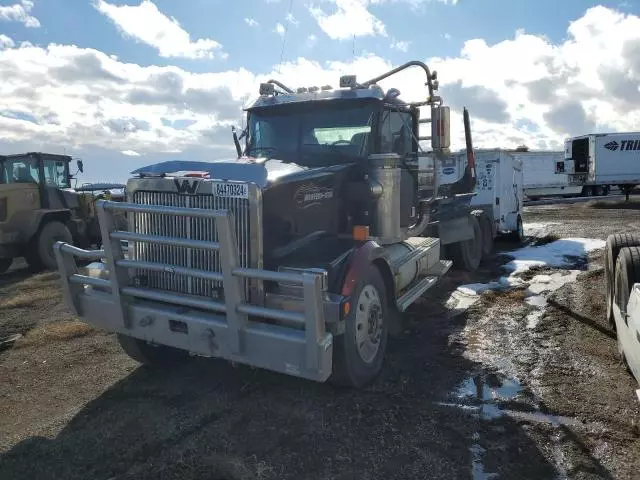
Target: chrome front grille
[{"x": 190, "y": 228}]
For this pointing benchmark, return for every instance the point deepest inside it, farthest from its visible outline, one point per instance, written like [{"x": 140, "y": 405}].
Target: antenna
[
  {"x": 284, "y": 35},
  {"x": 353, "y": 48}
]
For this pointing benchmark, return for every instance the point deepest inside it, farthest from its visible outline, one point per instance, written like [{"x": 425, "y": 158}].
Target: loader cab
[{"x": 41, "y": 176}]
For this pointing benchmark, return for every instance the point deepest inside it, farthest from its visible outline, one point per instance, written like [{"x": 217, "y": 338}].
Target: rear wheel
[
  {"x": 487, "y": 232},
  {"x": 627, "y": 273},
  {"x": 466, "y": 255},
  {"x": 151, "y": 355},
  {"x": 5, "y": 263},
  {"x": 358, "y": 354},
  {"x": 614, "y": 244},
  {"x": 517, "y": 235}
]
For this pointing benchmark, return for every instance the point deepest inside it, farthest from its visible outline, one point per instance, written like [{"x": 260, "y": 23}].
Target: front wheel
[
  {"x": 41, "y": 254},
  {"x": 358, "y": 354}
]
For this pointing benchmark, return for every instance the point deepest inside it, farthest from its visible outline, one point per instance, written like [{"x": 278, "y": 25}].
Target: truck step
[
  {"x": 421, "y": 245},
  {"x": 422, "y": 284}
]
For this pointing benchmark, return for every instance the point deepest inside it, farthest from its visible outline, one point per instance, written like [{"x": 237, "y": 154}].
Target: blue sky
[{"x": 124, "y": 87}]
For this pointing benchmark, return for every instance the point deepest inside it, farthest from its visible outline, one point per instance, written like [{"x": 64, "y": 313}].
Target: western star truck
[
  {"x": 601, "y": 161},
  {"x": 300, "y": 255}
]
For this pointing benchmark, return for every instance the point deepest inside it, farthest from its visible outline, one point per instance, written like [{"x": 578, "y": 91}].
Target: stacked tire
[{"x": 615, "y": 243}]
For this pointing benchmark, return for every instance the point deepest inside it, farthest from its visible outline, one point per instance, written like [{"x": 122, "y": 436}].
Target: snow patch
[{"x": 559, "y": 254}]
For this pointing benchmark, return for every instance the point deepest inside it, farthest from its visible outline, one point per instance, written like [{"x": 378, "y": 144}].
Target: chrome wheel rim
[{"x": 368, "y": 328}]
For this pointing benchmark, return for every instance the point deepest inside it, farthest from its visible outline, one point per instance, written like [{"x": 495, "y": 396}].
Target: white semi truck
[{"x": 601, "y": 161}]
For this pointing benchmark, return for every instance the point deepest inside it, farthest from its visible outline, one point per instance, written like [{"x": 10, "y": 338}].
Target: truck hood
[{"x": 260, "y": 171}]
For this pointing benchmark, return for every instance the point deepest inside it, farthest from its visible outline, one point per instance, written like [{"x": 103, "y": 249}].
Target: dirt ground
[{"x": 482, "y": 393}]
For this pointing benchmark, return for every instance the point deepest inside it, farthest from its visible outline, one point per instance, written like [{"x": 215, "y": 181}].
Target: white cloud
[
  {"x": 350, "y": 18},
  {"x": 130, "y": 153},
  {"x": 526, "y": 89},
  {"x": 312, "y": 41},
  {"x": 6, "y": 42},
  {"x": 401, "y": 45},
  {"x": 291, "y": 19},
  {"x": 252, "y": 22},
  {"x": 447, "y": 36},
  {"x": 280, "y": 30},
  {"x": 147, "y": 24},
  {"x": 19, "y": 12}
]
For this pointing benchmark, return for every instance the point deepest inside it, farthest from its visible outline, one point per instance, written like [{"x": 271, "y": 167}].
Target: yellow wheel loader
[{"x": 38, "y": 207}]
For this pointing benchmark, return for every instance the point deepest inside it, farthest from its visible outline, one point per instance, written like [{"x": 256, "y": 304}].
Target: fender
[{"x": 362, "y": 256}]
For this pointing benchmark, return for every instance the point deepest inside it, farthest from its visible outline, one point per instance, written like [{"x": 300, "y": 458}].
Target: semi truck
[
  {"x": 598, "y": 162},
  {"x": 540, "y": 177},
  {"x": 300, "y": 255}
]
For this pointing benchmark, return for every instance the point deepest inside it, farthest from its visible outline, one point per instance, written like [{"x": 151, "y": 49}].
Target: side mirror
[
  {"x": 440, "y": 127},
  {"x": 80, "y": 166}
]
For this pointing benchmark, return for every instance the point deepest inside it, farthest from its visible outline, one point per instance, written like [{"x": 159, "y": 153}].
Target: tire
[
  {"x": 517, "y": 236},
  {"x": 358, "y": 357},
  {"x": 50, "y": 233},
  {"x": 487, "y": 232},
  {"x": 597, "y": 191},
  {"x": 151, "y": 355},
  {"x": 614, "y": 244},
  {"x": 466, "y": 255},
  {"x": 627, "y": 273},
  {"x": 5, "y": 264},
  {"x": 587, "y": 192}
]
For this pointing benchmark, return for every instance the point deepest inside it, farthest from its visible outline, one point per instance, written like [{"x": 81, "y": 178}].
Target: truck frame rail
[{"x": 288, "y": 341}]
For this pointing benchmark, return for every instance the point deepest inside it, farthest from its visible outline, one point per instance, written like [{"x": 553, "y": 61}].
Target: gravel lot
[{"x": 500, "y": 390}]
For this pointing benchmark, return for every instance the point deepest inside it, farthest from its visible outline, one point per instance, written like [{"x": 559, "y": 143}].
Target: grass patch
[
  {"x": 56, "y": 331},
  {"x": 539, "y": 241},
  {"x": 514, "y": 295},
  {"x": 632, "y": 204},
  {"x": 26, "y": 298}
]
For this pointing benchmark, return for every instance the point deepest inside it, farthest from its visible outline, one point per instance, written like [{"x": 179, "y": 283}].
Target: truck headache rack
[{"x": 229, "y": 328}]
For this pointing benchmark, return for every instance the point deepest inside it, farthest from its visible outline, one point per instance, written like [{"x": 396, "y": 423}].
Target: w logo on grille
[
  {"x": 186, "y": 186},
  {"x": 613, "y": 146}
]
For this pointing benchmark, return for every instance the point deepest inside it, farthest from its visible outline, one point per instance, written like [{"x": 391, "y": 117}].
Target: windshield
[
  {"x": 310, "y": 135},
  {"x": 25, "y": 169}
]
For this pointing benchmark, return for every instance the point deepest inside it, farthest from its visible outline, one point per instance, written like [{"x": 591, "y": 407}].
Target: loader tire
[
  {"x": 358, "y": 354},
  {"x": 466, "y": 255},
  {"x": 5, "y": 264},
  {"x": 40, "y": 255},
  {"x": 627, "y": 273},
  {"x": 615, "y": 243},
  {"x": 151, "y": 355}
]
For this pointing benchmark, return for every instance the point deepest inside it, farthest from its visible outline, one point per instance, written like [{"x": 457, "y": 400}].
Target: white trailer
[
  {"x": 498, "y": 191},
  {"x": 602, "y": 161},
  {"x": 540, "y": 177}
]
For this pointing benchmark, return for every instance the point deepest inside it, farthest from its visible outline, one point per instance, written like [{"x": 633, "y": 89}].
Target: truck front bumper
[{"x": 288, "y": 335}]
